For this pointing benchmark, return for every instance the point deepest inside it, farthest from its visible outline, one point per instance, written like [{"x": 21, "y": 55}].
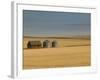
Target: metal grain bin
[
  {"x": 46, "y": 44},
  {"x": 54, "y": 43}
]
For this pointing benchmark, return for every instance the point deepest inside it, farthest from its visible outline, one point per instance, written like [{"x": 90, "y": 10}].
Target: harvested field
[{"x": 69, "y": 53}]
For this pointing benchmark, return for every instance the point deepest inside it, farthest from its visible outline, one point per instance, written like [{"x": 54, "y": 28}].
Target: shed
[{"x": 34, "y": 44}]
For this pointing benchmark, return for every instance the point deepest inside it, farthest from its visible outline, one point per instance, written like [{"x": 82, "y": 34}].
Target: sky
[{"x": 47, "y": 23}]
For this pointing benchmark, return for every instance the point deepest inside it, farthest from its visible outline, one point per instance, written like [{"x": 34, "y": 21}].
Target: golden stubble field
[{"x": 69, "y": 53}]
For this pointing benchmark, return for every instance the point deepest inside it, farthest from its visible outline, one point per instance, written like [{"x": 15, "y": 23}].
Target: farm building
[
  {"x": 54, "y": 43},
  {"x": 46, "y": 44},
  {"x": 34, "y": 44}
]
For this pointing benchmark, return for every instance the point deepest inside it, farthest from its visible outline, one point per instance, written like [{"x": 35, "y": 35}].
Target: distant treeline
[{"x": 72, "y": 37}]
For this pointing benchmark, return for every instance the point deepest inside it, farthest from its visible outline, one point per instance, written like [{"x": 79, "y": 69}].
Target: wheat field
[{"x": 70, "y": 52}]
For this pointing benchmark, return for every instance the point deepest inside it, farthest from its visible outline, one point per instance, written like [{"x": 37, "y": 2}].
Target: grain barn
[
  {"x": 34, "y": 44},
  {"x": 46, "y": 44},
  {"x": 54, "y": 43}
]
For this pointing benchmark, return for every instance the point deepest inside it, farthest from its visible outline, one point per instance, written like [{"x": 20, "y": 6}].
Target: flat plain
[{"x": 70, "y": 52}]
